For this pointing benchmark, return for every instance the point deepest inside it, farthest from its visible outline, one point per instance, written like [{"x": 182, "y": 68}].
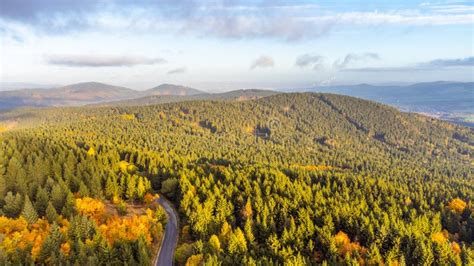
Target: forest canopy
[{"x": 293, "y": 179}]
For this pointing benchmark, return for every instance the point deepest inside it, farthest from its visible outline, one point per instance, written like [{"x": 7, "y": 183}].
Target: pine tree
[
  {"x": 109, "y": 188},
  {"x": 237, "y": 242},
  {"x": 83, "y": 190},
  {"x": 58, "y": 197},
  {"x": 51, "y": 213},
  {"x": 29, "y": 211},
  {"x": 143, "y": 251},
  {"x": 373, "y": 256},
  {"x": 68, "y": 208},
  {"x": 442, "y": 253},
  {"x": 467, "y": 255},
  {"x": 248, "y": 231},
  {"x": 215, "y": 244},
  {"x": 131, "y": 188},
  {"x": 51, "y": 245},
  {"x": 2, "y": 186},
  {"x": 41, "y": 202},
  {"x": 141, "y": 189},
  {"x": 13, "y": 204}
]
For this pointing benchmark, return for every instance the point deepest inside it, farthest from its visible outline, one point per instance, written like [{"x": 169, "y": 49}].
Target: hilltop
[
  {"x": 75, "y": 94},
  {"x": 451, "y": 101},
  {"x": 237, "y": 95},
  {"x": 170, "y": 89}
]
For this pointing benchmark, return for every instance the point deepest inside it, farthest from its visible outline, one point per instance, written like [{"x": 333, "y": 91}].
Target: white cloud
[
  {"x": 351, "y": 59},
  {"x": 224, "y": 19},
  {"x": 263, "y": 62},
  {"x": 308, "y": 60},
  {"x": 435, "y": 64},
  {"x": 393, "y": 18},
  {"x": 100, "y": 60}
]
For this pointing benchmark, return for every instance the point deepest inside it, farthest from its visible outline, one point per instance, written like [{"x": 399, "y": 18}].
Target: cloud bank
[
  {"x": 436, "y": 64},
  {"x": 262, "y": 62},
  {"x": 351, "y": 59},
  {"x": 459, "y": 62},
  {"x": 283, "y": 20},
  {"x": 308, "y": 60},
  {"x": 100, "y": 60}
]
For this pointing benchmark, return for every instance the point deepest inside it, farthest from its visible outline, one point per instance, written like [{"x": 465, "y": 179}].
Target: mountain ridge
[
  {"x": 83, "y": 93},
  {"x": 172, "y": 89},
  {"x": 452, "y": 101},
  {"x": 236, "y": 95}
]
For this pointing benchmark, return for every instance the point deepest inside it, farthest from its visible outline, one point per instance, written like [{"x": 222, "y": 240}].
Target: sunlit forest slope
[{"x": 293, "y": 179}]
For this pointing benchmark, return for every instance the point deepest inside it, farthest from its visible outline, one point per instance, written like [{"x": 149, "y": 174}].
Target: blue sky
[{"x": 221, "y": 45}]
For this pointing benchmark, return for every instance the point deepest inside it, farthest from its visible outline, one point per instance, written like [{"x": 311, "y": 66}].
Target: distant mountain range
[
  {"x": 433, "y": 96},
  {"x": 83, "y": 94},
  {"x": 237, "y": 95},
  {"x": 446, "y": 100},
  {"x": 170, "y": 89}
]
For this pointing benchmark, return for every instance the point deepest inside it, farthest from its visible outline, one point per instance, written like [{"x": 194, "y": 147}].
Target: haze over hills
[
  {"x": 237, "y": 95},
  {"x": 82, "y": 94},
  {"x": 451, "y": 101},
  {"x": 170, "y": 89},
  {"x": 7, "y": 86},
  {"x": 447, "y": 100}
]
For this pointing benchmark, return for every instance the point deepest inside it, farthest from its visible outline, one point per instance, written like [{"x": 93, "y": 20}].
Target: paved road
[{"x": 168, "y": 246}]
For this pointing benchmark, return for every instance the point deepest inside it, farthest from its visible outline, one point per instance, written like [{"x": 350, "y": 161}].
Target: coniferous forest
[{"x": 289, "y": 179}]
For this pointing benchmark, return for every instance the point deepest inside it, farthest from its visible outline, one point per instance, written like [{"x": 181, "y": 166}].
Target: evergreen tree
[
  {"x": 51, "y": 213},
  {"x": 58, "y": 197},
  {"x": 69, "y": 205},
  {"x": 13, "y": 204},
  {"x": 215, "y": 244},
  {"x": 237, "y": 242},
  {"x": 143, "y": 251},
  {"x": 29, "y": 211},
  {"x": 249, "y": 231},
  {"x": 141, "y": 189},
  {"x": 131, "y": 188},
  {"x": 41, "y": 202}
]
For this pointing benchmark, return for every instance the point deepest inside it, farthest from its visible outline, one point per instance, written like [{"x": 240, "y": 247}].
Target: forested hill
[
  {"x": 290, "y": 178},
  {"x": 237, "y": 95}
]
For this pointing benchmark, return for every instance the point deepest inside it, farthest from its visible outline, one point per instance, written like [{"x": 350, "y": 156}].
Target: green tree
[
  {"x": 29, "y": 211},
  {"x": 51, "y": 213},
  {"x": 58, "y": 197},
  {"x": 168, "y": 187},
  {"x": 41, "y": 203},
  {"x": 13, "y": 204}
]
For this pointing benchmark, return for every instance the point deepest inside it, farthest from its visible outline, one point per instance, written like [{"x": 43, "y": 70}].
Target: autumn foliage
[
  {"x": 312, "y": 167},
  {"x": 90, "y": 207},
  {"x": 457, "y": 205},
  {"x": 130, "y": 228},
  {"x": 16, "y": 233},
  {"x": 345, "y": 246},
  {"x": 440, "y": 237}
]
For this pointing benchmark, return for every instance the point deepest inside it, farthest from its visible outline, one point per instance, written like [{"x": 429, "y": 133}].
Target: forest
[{"x": 289, "y": 179}]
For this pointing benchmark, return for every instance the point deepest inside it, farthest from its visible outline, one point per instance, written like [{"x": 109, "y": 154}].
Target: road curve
[{"x": 165, "y": 256}]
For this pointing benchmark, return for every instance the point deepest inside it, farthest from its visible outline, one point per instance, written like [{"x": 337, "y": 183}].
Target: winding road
[{"x": 165, "y": 256}]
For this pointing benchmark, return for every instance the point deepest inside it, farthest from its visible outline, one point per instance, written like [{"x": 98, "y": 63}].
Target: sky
[{"x": 222, "y": 45}]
